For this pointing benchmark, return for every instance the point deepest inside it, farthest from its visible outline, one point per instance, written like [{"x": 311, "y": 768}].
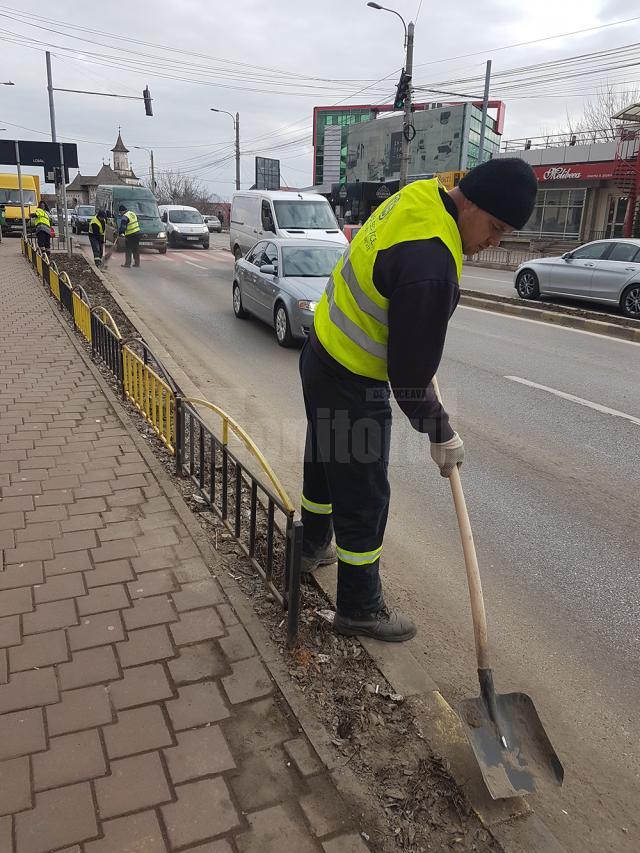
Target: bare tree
[
  {"x": 597, "y": 114},
  {"x": 175, "y": 187}
]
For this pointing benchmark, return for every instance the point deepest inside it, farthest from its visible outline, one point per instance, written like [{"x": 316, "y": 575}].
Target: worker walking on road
[
  {"x": 130, "y": 229},
  {"x": 96, "y": 236},
  {"x": 41, "y": 221},
  {"x": 382, "y": 321}
]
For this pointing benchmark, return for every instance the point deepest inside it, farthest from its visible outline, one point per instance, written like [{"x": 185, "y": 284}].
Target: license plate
[
  {"x": 193, "y": 238},
  {"x": 145, "y": 243}
]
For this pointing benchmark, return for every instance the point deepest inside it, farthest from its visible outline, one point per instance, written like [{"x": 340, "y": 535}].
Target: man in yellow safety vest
[
  {"x": 130, "y": 230},
  {"x": 96, "y": 236},
  {"x": 42, "y": 223},
  {"x": 379, "y": 326}
]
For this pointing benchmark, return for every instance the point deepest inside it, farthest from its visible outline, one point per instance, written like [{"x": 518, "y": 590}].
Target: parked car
[
  {"x": 281, "y": 281},
  {"x": 184, "y": 225},
  {"x": 82, "y": 216},
  {"x": 605, "y": 271},
  {"x": 213, "y": 224},
  {"x": 263, "y": 214}
]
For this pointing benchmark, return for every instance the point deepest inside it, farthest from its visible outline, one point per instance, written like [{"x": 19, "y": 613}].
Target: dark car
[{"x": 81, "y": 218}]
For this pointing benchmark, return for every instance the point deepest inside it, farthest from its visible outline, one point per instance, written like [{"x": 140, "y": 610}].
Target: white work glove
[{"x": 448, "y": 454}]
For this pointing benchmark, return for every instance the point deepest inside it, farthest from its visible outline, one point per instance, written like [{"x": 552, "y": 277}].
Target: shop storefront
[{"x": 576, "y": 202}]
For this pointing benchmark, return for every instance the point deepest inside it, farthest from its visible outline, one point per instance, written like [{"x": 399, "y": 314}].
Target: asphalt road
[{"x": 552, "y": 487}]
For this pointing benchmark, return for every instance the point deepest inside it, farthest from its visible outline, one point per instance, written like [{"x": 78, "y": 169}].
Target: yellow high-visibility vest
[
  {"x": 351, "y": 320},
  {"x": 41, "y": 217},
  {"x": 133, "y": 226},
  {"x": 98, "y": 222}
]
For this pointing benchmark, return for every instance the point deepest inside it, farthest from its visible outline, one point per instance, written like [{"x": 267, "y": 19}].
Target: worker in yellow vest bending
[
  {"x": 380, "y": 326},
  {"x": 130, "y": 230}
]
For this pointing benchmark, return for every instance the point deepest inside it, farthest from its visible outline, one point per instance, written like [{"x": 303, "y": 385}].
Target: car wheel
[
  {"x": 282, "y": 326},
  {"x": 527, "y": 285},
  {"x": 206, "y": 245},
  {"x": 162, "y": 251},
  {"x": 237, "y": 252},
  {"x": 172, "y": 241},
  {"x": 238, "y": 310},
  {"x": 630, "y": 301}
]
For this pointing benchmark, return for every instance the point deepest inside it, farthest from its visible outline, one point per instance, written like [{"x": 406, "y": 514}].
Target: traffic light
[
  {"x": 403, "y": 91},
  {"x": 146, "y": 95}
]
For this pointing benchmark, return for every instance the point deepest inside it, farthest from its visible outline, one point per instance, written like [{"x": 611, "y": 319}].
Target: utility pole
[
  {"x": 237, "y": 124},
  {"x": 485, "y": 107},
  {"x": 407, "y": 121},
  {"x": 153, "y": 173},
  {"x": 24, "y": 221}
]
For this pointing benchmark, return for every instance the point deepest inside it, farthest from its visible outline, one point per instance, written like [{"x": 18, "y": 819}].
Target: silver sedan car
[
  {"x": 281, "y": 281},
  {"x": 606, "y": 271}
]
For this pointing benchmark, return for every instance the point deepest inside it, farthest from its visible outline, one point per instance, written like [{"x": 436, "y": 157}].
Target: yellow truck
[{"x": 10, "y": 200}]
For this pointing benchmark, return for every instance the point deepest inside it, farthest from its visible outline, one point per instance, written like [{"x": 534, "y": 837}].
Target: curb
[
  {"x": 549, "y": 313},
  {"x": 511, "y": 822}
]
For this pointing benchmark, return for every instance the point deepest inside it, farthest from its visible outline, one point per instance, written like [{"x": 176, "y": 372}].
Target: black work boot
[
  {"x": 318, "y": 557},
  {"x": 386, "y": 625}
]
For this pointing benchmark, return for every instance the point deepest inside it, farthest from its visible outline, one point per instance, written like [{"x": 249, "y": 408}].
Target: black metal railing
[{"x": 106, "y": 342}]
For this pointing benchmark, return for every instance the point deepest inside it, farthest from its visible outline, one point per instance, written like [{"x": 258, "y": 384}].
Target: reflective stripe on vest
[
  {"x": 351, "y": 320},
  {"x": 96, "y": 221},
  {"x": 133, "y": 226}
]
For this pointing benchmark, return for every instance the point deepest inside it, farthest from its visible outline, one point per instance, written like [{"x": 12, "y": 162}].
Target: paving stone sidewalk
[{"x": 135, "y": 712}]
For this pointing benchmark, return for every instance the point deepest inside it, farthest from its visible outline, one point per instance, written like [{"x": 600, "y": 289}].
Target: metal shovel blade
[{"x": 528, "y": 758}]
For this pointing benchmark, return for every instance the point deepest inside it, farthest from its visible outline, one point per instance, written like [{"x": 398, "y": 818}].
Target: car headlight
[
  {"x": 162, "y": 235},
  {"x": 305, "y": 305}
]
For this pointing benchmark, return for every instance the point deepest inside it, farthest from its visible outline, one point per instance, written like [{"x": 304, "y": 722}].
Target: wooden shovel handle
[{"x": 478, "y": 613}]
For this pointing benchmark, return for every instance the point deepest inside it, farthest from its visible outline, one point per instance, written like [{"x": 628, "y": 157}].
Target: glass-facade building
[
  {"x": 324, "y": 117},
  {"x": 447, "y": 139}
]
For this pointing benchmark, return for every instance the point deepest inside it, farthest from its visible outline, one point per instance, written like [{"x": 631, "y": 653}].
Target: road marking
[
  {"x": 579, "y": 400},
  {"x": 200, "y": 267},
  {"x": 484, "y": 278},
  {"x": 609, "y": 338}
]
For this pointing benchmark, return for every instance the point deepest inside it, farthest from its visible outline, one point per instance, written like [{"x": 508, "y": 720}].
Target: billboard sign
[
  {"x": 267, "y": 174},
  {"x": 576, "y": 172}
]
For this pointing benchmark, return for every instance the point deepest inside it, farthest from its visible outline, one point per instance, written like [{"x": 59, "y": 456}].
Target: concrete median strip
[{"x": 545, "y": 312}]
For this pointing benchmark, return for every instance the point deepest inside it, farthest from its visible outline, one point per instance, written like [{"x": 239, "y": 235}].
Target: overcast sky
[{"x": 335, "y": 40}]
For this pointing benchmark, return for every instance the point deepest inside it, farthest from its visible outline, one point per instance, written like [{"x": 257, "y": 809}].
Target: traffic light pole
[
  {"x": 62, "y": 220},
  {"x": 407, "y": 121}
]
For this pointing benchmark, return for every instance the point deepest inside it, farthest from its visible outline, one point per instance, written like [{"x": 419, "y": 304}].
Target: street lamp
[
  {"x": 153, "y": 174},
  {"x": 404, "y": 89},
  {"x": 236, "y": 126}
]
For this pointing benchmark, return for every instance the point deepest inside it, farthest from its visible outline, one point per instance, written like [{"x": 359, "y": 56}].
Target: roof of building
[
  {"x": 106, "y": 175},
  {"x": 120, "y": 146}
]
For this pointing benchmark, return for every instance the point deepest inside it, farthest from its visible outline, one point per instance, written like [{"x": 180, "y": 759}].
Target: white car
[
  {"x": 184, "y": 225},
  {"x": 263, "y": 215}
]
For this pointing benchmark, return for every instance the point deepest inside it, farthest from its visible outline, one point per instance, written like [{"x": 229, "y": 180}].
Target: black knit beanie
[{"x": 505, "y": 188}]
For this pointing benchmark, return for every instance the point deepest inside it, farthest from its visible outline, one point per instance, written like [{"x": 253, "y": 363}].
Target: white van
[
  {"x": 184, "y": 225},
  {"x": 261, "y": 214}
]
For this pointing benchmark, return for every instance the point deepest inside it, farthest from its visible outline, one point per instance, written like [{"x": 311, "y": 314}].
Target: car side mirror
[
  {"x": 567, "y": 256},
  {"x": 268, "y": 269}
]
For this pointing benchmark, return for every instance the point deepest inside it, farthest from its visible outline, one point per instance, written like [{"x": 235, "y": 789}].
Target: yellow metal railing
[
  {"x": 39, "y": 263},
  {"x": 151, "y": 395},
  {"x": 54, "y": 281},
  {"x": 228, "y": 423},
  {"x": 81, "y": 315}
]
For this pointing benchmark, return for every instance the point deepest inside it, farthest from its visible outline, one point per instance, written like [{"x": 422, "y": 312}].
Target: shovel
[{"x": 504, "y": 730}]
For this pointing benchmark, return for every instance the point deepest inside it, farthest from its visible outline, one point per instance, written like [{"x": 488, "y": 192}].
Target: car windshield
[
  {"x": 316, "y": 262},
  {"x": 13, "y": 197},
  {"x": 85, "y": 210},
  {"x": 304, "y": 214},
  {"x": 145, "y": 209},
  {"x": 192, "y": 217}
]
